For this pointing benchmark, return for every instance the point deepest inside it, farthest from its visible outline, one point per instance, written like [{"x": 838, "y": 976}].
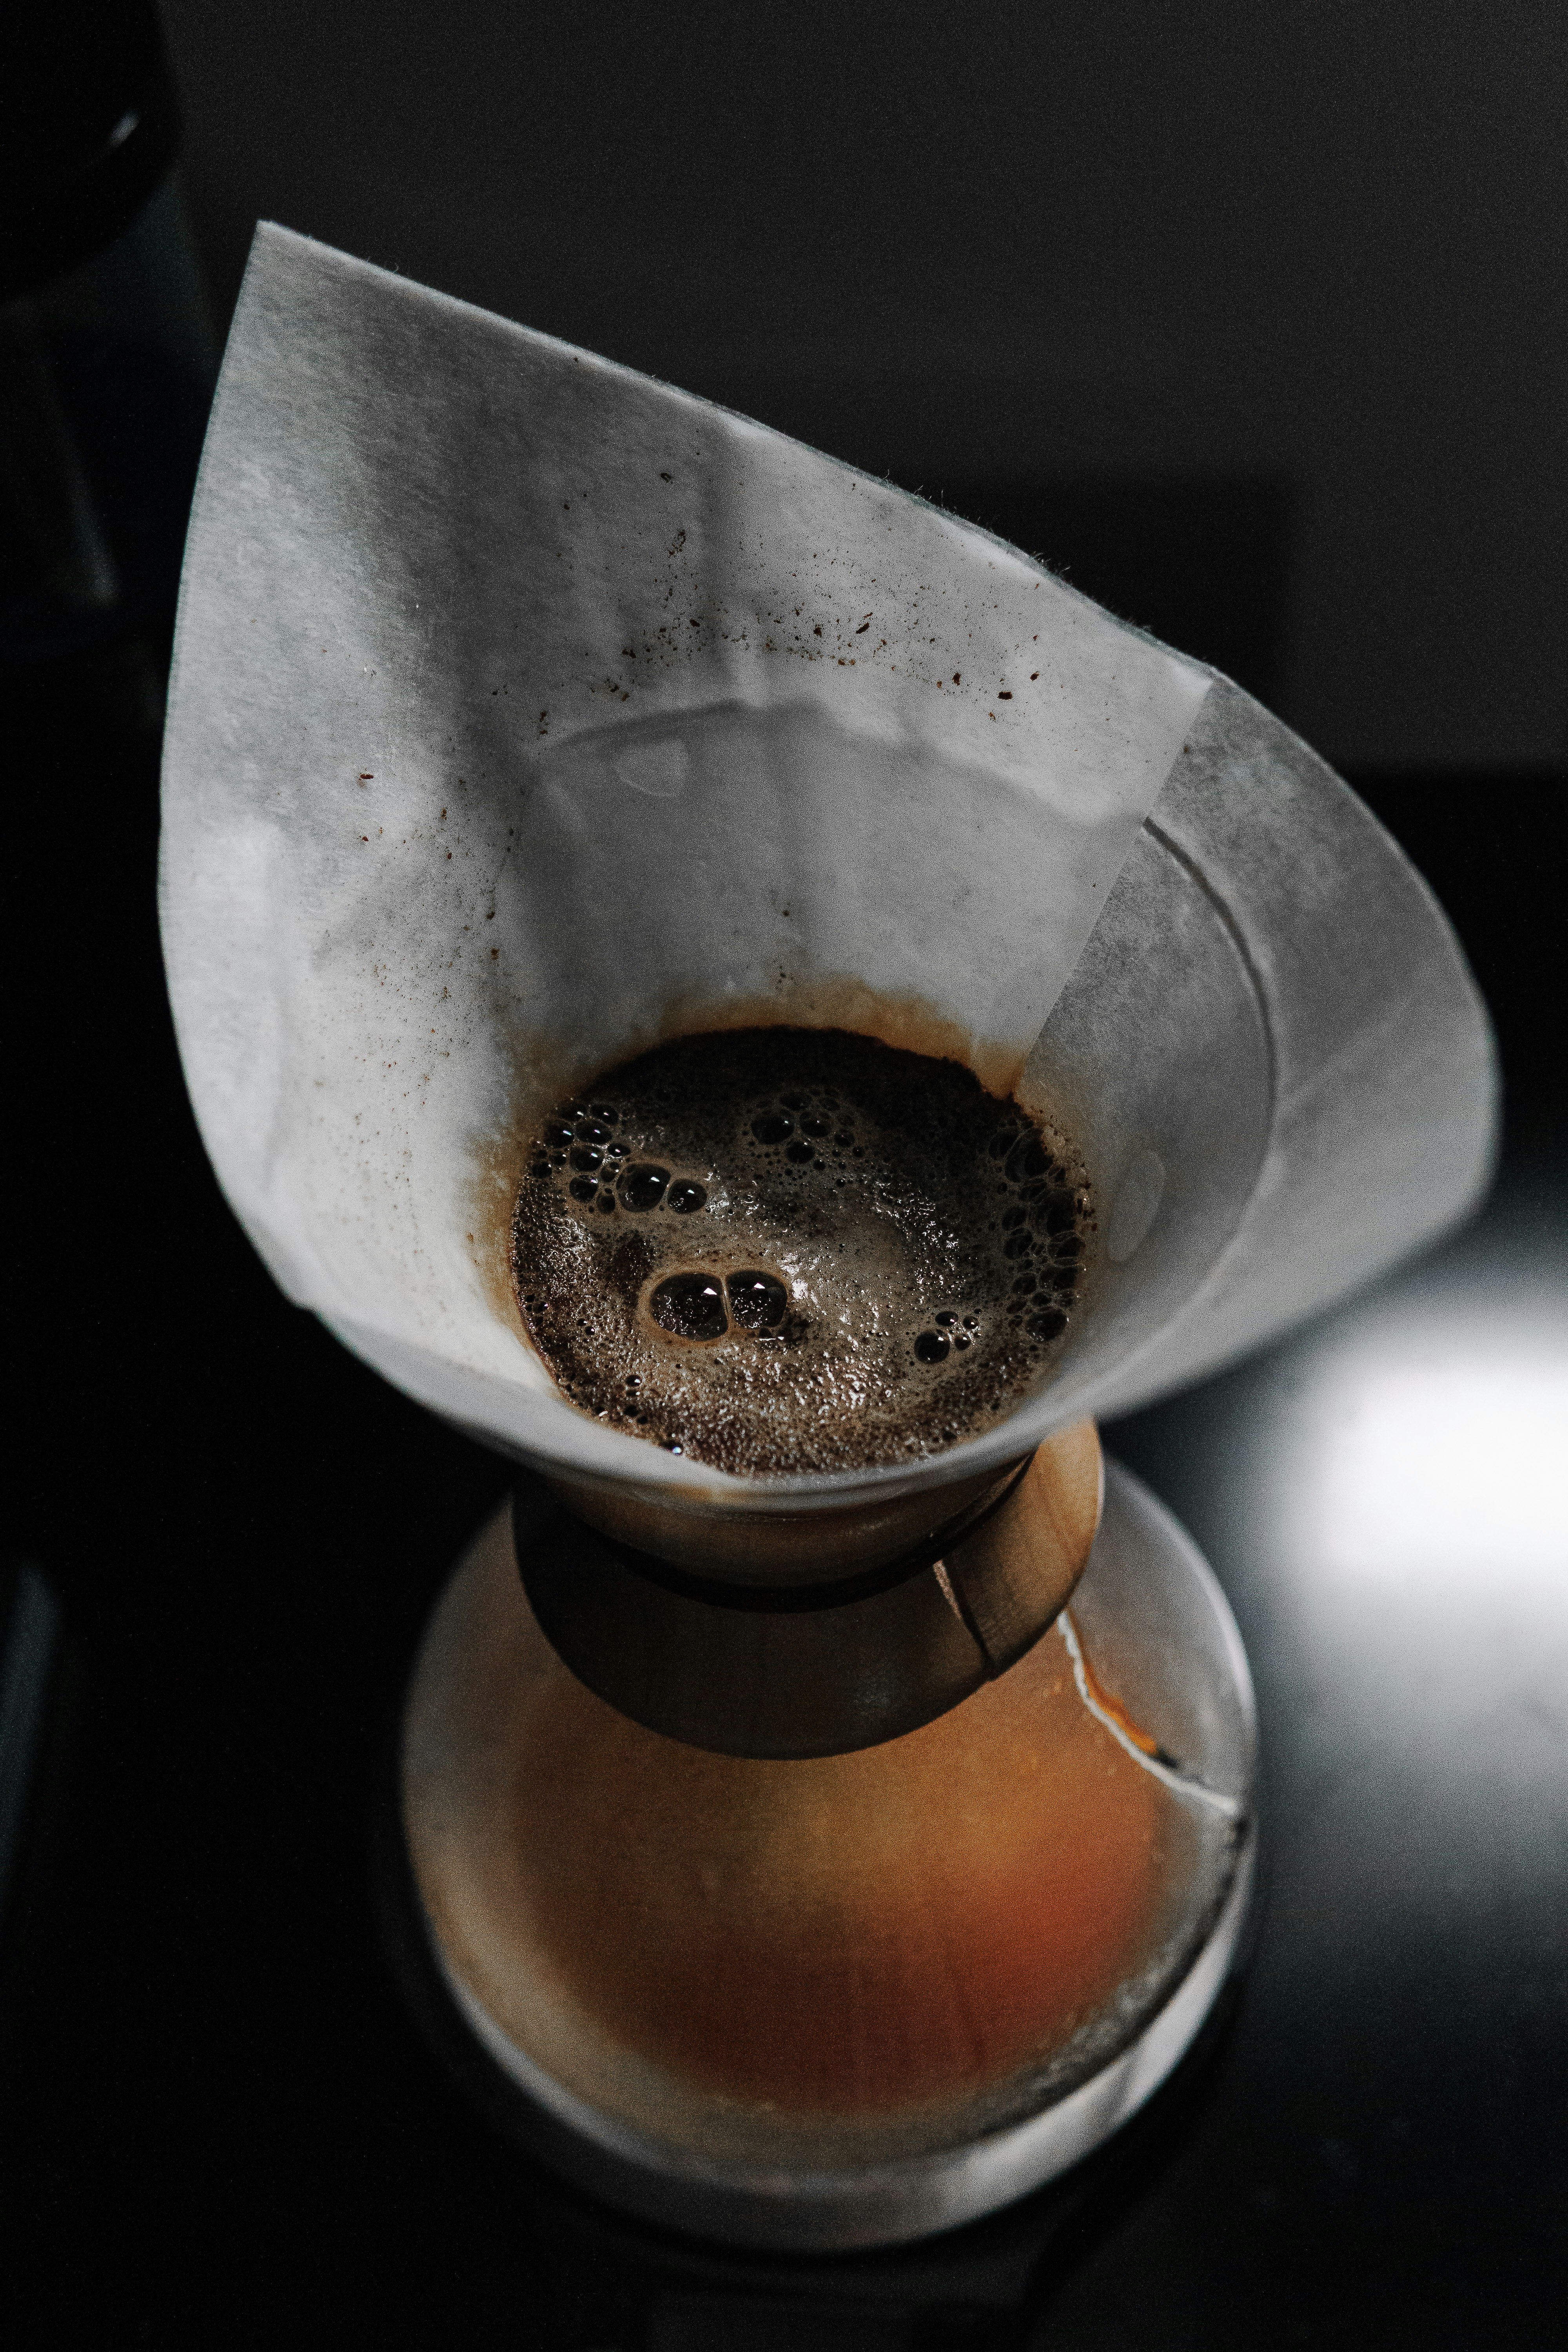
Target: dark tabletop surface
[{"x": 220, "y": 2122}]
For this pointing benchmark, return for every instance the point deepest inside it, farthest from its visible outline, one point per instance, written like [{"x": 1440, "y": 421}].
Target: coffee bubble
[
  {"x": 757, "y": 1301},
  {"x": 689, "y": 1307},
  {"x": 642, "y": 1188}
]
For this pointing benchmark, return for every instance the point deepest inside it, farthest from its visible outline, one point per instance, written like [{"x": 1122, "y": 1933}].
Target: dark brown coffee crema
[{"x": 786, "y": 1250}]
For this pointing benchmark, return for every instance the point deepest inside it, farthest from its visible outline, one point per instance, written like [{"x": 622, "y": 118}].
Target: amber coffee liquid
[
  {"x": 856, "y": 1956},
  {"x": 793, "y": 1250}
]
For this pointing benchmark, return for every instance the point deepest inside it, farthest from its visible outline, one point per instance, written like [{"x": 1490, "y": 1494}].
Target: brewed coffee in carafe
[{"x": 837, "y": 1961}]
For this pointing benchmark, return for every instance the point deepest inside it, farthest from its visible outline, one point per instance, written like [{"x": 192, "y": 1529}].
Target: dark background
[
  {"x": 1319, "y": 243},
  {"x": 1253, "y": 323}
]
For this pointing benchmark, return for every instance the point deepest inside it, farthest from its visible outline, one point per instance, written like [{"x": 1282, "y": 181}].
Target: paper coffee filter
[{"x": 525, "y": 710}]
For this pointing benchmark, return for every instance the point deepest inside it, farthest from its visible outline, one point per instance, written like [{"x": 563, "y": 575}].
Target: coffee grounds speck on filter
[{"x": 788, "y": 1250}]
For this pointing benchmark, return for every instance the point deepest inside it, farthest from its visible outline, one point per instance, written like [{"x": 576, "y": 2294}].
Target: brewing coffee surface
[{"x": 783, "y": 1250}]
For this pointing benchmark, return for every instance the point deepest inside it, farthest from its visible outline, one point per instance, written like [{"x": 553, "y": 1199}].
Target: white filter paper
[{"x": 526, "y": 710}]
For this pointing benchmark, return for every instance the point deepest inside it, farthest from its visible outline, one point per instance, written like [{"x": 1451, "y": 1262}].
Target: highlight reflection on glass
[{"x": 1445, "y": 1456}]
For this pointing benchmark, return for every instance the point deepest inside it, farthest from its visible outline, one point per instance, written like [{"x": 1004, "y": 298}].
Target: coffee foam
[{"x": 783, "y": 1250}]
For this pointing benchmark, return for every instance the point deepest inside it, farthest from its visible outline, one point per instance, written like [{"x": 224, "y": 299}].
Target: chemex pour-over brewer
[{"x": 813, "y": 1860}]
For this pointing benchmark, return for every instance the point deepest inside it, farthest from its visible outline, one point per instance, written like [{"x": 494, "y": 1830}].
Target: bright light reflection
[{"x": 1447, "y": 1469}]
